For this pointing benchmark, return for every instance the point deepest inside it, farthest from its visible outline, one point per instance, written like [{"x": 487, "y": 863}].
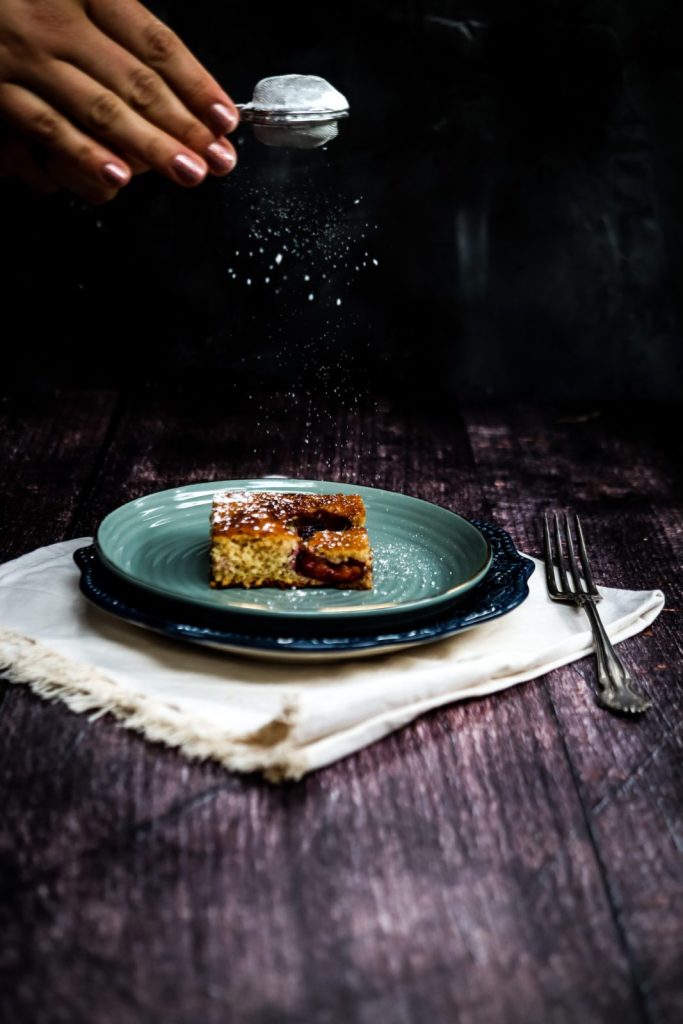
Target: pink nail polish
[
  {"x": 220, "y": 158},
  {"x": 223, "y": 118},
  {"x": 115, "y": 174},
  {"x": 190, "y": 171}
]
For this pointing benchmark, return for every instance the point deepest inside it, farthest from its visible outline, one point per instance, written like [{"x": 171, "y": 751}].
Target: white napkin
[{"x": 281, "y": 719}]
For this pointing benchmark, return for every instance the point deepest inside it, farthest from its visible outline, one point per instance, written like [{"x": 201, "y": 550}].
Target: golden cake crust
[{"x": 272, "y": 512}]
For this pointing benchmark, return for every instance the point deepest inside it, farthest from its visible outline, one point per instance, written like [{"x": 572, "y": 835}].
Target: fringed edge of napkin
[{"x": 84, "y": 688}]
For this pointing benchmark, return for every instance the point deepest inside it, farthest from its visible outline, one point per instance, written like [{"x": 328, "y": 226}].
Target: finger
[
  {"x": 137, "y": 166},
  {"x": 47, "y": 173},
  {"x": 105, "y": 115},
  {"x": 147, "y": 93},
  {"x": 38, "y": 121},
  {"x": 131, "y": 25},
  {"x": 18, "y": 161},
  {"x": 63, "y": 171}
]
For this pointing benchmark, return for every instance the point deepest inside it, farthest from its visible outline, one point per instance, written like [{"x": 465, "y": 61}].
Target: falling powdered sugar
[{"x": 310, "y": 255}]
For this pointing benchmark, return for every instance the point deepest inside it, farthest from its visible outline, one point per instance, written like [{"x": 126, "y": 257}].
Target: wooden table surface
[{"x": 511, "y": 859}]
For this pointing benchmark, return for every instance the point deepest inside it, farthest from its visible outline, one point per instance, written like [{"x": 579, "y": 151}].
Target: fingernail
[
  {"x": 115, "y": 174},
  {"x": 223, "y": 117},
  {"x": 220, "y": 158},
  {"x": 190, "y": 171}
]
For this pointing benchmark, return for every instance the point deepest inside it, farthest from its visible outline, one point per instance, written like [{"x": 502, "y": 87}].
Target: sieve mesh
[
  {"x": 297, "y": 92},
  {"x": 297, "y": 138}
]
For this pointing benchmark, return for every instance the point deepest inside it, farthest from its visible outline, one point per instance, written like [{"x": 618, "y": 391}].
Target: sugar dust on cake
[{"x": 289, "y": 540}]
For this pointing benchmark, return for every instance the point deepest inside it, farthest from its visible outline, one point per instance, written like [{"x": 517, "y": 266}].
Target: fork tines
[
  {"x": 571, "y": 581},
  {"x": 565, "y": 583}
]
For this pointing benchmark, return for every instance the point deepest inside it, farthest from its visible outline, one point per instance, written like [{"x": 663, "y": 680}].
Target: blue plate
[{"x": 503, "y": 588}]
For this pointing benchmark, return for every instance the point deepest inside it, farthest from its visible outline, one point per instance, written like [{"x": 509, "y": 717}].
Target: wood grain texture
[
  {"x": 623, "y": 476},
  {"x": 510, "y": 859},
  {"x": 49, "y": 450}
]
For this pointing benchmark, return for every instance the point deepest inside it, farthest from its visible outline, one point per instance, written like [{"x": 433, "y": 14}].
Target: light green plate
[{"x": 425, "y": 556}]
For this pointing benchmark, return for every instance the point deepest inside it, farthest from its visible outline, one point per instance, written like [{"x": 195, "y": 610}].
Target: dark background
[{"x": 515, "y": 169}]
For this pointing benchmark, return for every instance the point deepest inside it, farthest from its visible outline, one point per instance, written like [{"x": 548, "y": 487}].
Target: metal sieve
[{"x": 284, "y": 122}]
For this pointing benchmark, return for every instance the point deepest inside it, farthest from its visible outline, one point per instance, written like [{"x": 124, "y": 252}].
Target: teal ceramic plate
[{"x": 425, "y": 556}]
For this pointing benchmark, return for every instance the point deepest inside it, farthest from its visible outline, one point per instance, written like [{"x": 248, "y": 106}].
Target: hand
[{"x": 94, "y": 91}]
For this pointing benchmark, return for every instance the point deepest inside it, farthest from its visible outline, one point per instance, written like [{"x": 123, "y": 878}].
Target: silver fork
[{"x": 616, "y": 690}]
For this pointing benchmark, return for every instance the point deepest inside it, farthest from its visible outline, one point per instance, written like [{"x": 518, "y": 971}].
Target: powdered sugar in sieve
[{"x": 300, "y": 111}]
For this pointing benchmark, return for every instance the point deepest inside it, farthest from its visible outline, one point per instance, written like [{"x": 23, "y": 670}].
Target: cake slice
[{"x": 273, "y": 539}]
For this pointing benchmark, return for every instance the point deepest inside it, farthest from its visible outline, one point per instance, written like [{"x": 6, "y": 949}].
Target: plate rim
[
  {"x": 518, "y": 565},
  {"x": 421, "y": 606}
]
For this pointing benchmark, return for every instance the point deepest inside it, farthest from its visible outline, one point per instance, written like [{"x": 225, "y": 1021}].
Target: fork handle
[{"x": 612, "y": 675}]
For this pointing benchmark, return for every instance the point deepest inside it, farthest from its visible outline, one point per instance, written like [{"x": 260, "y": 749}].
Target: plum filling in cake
[
  {"x": 281, "y": 539},
  {"x": 306, "y": 526},
  {"x": 328, "y": 572}
]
